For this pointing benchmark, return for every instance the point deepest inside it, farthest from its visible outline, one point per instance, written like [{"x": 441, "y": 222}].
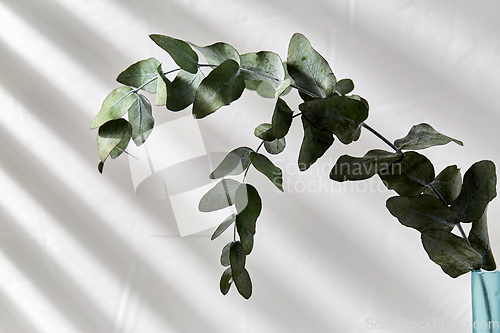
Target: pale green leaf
[
  {"x": 309, "y": 69},
  {"x": 221, "y": 87},
  {"x": 182, "y": 91},
  {"x": 423, "y": 212},
  {"x": 264, "y": 132},
  {"x": 339, "y": 115},
  {"x": 452, "y": 253},
  {"x": 234, "y": 163},
  {"x": 359, "y": 168},
  {"x": 267, "y": 168},
  {"x": 478, "y": 189},
  {"x": 276, "y": 146},
  {"x": 179, "y": 50},
  {"x": 409, "y": 176},
  {"x": 223, "y": 226},
  {"x": 115, "y": 106},
  {"x": 220, "y": 196},
  {"x": 217, "y": 53},
  {"x": 423, "y": 136},
  {"x": 161, "y": 88},
  {"x": 140, "y": 73},
  {"x": 226, "y": 281},
  {"x": 113, "y": 138},
  {"x": 267, "y": 67},
  {"x": 140, "y": 117},
  {"x": 314, "y": 145}
]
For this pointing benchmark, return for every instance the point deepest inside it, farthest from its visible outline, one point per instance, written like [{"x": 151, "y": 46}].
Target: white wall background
[{"x": 80, "y": 252}]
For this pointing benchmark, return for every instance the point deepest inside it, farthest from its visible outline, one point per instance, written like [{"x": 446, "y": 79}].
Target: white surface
[{"x": 80, "y": 252}]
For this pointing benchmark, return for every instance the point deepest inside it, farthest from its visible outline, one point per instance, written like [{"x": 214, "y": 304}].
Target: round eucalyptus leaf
[
  {"x": 276, "y": 146},
  {"x": 179, "y": 50},
  {"x": 226, "y": 281},
  {"x": 140, "y": 73}
]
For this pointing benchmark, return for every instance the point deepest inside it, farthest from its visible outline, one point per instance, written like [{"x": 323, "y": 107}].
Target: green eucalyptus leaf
[
  {"x": 268, "y": 169},
  {"x": 478, "y": 189},
  {"x": 115, "y": 106},
  {"x": 179, "y": 50},
  {"x": 226, "y": 281},
  {"x": 344, "y": 86},
  {"x": 246, "y": 237},
  {"x": 141, "y": 118},
  {"x": 479, "y": 240},
  {"x": 359, "y": 168},
  {"x": 452, "y": 253},
  {"x": 265, "y": 132},
  {"x": 423, "y": 136},
  {"x": 339, "y": 115},
  {"x": 248, "y": 205},
  {"x": 234, "y": 163},
  {"x": 266, "y": 90},
  {"x": 140, "y": 73},
  {"x": 220, "y": 196},
  {"x": 224, "y": 257},
  {"x": 448, "y": 183},
  {"x": 237, "y": 258},
  {"x": 267, "y": 67},
  {"x": 360, "y": 99},
  {"x": 423, "y": 212},
  {"x": 223, "y": 226},
  {"x": 217, "y": 53},
  {"x": 282, "y": 119},
  {"x": 243, "y": 283},
  {"x": 309, "y": 69},
  {"x": 182, "y": 91},
  {"x": 161, "y": 88},
  {"x": 252, "y": 84},
  {"x": 314, "y": 145},
  {"x": 409, "y": 176},
  {"x": 276, "y": 146},
  {"x": 113, "y": 138},
  {"x": 100, "y": 167},
  {"x": 221, "y": 87}
]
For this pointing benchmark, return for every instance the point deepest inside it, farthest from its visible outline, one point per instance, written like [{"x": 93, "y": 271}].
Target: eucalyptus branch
[{"x": 381, "y": 137}]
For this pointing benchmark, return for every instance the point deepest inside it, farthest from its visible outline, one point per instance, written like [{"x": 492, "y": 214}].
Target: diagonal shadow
[
  {"x": 52, "y": 281},
  {"x": 12, "y": 319},
  {"x": 92, "y": 233}
]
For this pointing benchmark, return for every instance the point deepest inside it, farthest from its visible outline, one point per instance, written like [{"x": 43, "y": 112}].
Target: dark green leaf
[
  {"x": 423, "y": 136},
  {"x": 182, "y": 91},
  {"x": 264, "y": 132},
  {"x": 309, "y": 69},
  {"x": 226, "y": 281},
  {"x": 478, "y": 189},
  {"x": 314, "y": 145},
  {"x": 282, "y": 118},
  {"x": 423, "y": 212},
  {"x": 113, "y": 137},
  {"x": 478, "y": 238},
  {"x": 100, "y": 167},
  {"x": 223, "y": 226},
  {"x": 409, "y": 176},
  {"x": 361, "y": 99},
  {"x": 339, "y": 115},
  {"x": 140, "y": 73},
  {"x": 248, "y": 205},
  {"x": 246, "y": 237},
  {"x": 267, "y": 168},
  {"x": 217, "y": 53},
  {"x": 359, "y": 168},
  {"x": 452, "y": 253},
  {"x": 234, "y": 163},
  {"x": 448, "y": 183},
  {"x": 237, "y": 258},
  {"x": 243, "y": 283},
  {"x": 221, "y": 87},
  {"x": 179, "y": 50},
  {"x": 224, "y": 257},
  {"x": 220, "y": 196},
  {"x": 140, "y": 117},
  {"x": 114, "y": 106},
  {"x": 276, "y": 146},
  {"x": 344, "y": 86},
  {"x": 161, "y": 88}
]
